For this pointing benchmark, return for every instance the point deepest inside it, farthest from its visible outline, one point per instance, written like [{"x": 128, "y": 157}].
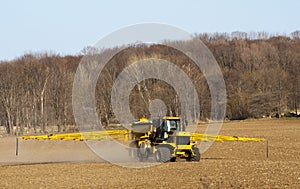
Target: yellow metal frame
[
  {"x": 124, "y": 135},
  {"x": 95, "y": 135},
  {"x": 170, "y": 118}
]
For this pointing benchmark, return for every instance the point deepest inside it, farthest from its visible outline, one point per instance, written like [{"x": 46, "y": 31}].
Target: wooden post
[
  {"x": 17, "y": 146},
  {"x": 267, "y": 149}
]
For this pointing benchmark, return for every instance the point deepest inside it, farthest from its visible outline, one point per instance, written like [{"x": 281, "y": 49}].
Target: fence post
[{"x": 17, "y": 146}]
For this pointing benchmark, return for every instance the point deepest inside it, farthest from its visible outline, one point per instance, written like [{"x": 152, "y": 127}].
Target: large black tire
[
  {"x": 143, "y": 157},
  {"x": 133, "y": 150},
  {"x": 163, "y": 154},
  {"x": 197, "y": 155},
  {"x": 143, "y": 152}
]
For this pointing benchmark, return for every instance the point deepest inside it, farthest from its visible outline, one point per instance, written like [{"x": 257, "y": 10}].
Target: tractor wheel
[
  {"x": 133, "y": 150},
  {"x": 143, "y": 152},
  {"x": 143, "y": 157},
  {"x": 163, "y": 154},
  {"x": 197, "y": 155}
]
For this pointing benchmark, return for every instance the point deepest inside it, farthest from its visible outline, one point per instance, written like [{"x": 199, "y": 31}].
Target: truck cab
[{"x": 166, "y": 126}]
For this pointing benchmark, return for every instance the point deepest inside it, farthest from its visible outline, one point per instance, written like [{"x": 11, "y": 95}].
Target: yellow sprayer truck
[{"x": 163, "y": 138}]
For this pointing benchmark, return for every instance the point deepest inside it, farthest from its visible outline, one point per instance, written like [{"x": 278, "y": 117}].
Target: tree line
[{"x": 261, "y": 73}]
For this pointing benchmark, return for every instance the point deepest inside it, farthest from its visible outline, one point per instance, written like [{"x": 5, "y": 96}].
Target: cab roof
[{"x": 170, "y": 117}]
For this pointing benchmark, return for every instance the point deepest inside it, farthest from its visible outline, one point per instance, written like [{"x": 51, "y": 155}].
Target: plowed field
[{"x": 70, "y": 164}]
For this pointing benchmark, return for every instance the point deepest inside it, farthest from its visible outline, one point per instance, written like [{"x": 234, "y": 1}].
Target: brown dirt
[{"x": 224, "y": 165}]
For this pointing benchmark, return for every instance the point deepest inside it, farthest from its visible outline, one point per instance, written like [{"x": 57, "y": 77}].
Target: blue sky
[{"x": 67, "y": 26}]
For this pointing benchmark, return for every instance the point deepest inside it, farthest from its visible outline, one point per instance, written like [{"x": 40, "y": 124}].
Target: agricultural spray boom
[
  {"x": 165, "y": 139},
  {"x": 124, "y": 134}
]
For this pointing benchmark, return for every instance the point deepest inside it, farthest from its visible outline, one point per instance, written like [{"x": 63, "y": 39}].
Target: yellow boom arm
[{"x": 124, "y": 135}]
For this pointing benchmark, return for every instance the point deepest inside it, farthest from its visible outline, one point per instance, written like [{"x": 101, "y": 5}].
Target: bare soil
[{"x": 71, "y": 164}]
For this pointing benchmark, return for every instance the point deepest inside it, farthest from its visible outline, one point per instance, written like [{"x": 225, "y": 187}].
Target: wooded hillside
[{"x": 261, "y": 72}]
